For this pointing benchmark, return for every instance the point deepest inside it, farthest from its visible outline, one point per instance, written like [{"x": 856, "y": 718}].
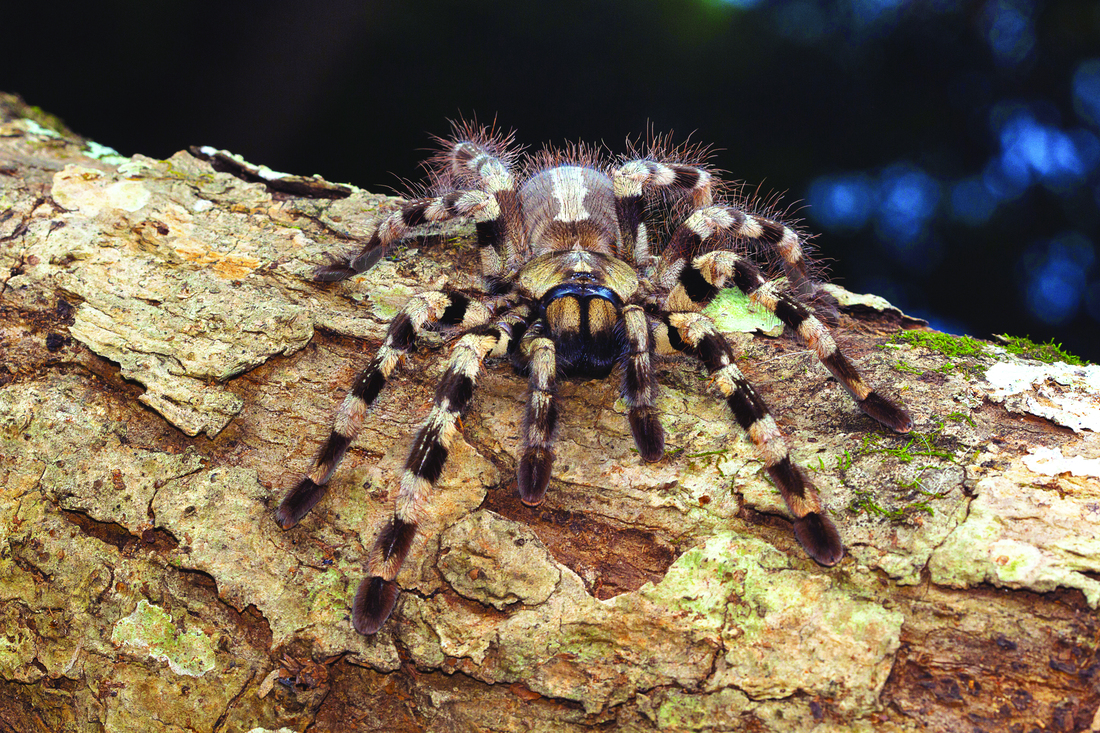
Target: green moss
[
  {"x": 967, "y": 346},
  {"x": 1049, "y": 352},
  {"x": 864, "y": 502},
  {"x": 903, "y": 366},
  {"x": 921, "y": 445},
  {"x": 918, "y": 444},
  {"x": 944, "y": 343}
]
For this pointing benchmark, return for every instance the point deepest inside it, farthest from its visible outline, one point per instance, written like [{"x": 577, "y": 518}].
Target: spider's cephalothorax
[{"x": 572, "y": 289}]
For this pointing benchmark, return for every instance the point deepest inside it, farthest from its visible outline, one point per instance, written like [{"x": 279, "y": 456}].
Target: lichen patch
[{"x": 149, "y": 629}]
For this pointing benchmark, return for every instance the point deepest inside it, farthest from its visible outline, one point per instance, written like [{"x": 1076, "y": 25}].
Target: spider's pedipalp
[
  {"x": 540, "y": 422},
  {"x": 639, "y": 387},
  {"x": 813, "y": 528}
]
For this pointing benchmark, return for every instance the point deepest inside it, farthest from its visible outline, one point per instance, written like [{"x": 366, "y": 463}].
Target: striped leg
[
  {"x": 640, "y": 385},
  {"x": 395, "y": 227},
  {"x": 707, "y": 221},
  {"x": 475, "y": 163},
  {"x": 708, "y": 273},
  {"x": 695, "y": 334},
  {"x": 540, "y": 422},
  {"x": 630, "y": 182},
  {"x": 378, "y": 592},
  {"x": 422, "y": 311}
]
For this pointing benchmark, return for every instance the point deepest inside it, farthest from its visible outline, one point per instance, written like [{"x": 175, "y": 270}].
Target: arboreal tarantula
[{"x": 573, "y": 288}]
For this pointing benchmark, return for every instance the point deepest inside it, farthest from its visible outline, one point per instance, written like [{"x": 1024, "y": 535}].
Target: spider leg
[
  {"x": 540, "y": 421},
  {"x": 421, "y": 312},
  {"x": 378, "y": 592},
  {"x": 631, "y": 180},
  {"x": 718, "y": 267},
  {"x": 695, "y": 334},
  {"x": 705, "y": 221},
  {"x": 640, "y": 386},
  {"x": 474, "y": 163},
  {"x": 693, "y": 285},
  {"x": 395, "y": 227}
]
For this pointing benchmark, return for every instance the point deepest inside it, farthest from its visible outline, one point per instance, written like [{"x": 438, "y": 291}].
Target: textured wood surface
[{"x": 167, "y": 369}]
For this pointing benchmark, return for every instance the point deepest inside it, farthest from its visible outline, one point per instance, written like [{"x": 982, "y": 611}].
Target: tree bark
[{"x": 167, "y": 370}]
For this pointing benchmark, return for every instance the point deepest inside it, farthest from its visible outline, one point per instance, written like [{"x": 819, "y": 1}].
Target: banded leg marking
[
  {"x": 640, "y": 385},
  {"x": 630, "y": 181},
  {"x": 377, "y": 594},
  {"x": 708, "y": 273},
  {"x": 705, "y": 221},
  {"x": 472, "y": 163},
  {"x": 540, "y": 422},
  {"x": 480, "y": 205},
  {"x": 426, "y": 309},
  {"x": 812, "y": 527}
]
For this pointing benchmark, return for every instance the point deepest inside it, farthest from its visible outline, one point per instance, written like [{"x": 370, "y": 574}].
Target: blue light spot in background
[
  {"x": 901, "y": 202},
  {"x": 1055, "y": 277},
  {"x": 1086, "y": 91},
  {"x": 1007, "y": 27},
  {"x": 972, "y": 201},
  {"x": 842, "y": 202},
  {"x": 1034, "y": 152},
  {"x": 908, "y": 198}
]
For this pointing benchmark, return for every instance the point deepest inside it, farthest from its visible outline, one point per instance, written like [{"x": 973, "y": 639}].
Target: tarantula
[{"x": 572, "y": 288}]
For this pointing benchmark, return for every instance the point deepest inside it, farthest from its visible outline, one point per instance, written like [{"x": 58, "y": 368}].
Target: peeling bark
[{"x": 167, "y": 369}]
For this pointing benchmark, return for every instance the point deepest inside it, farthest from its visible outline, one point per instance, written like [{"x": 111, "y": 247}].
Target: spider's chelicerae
[{"x": 574, "y": 287}]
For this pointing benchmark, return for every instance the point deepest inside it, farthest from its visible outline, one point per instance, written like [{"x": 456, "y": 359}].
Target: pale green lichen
[
  {"x": 36, "y": 129},
  {"x": 731, "y": 310},
  {"x": 92, "y": 149},
  {"x": 681, "y": 710},
  {"x": 104, "y": 153},
  {"x": 150, "y": 629}
]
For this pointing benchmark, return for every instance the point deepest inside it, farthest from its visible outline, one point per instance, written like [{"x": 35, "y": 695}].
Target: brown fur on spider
[{"x": 575, "y": 287}]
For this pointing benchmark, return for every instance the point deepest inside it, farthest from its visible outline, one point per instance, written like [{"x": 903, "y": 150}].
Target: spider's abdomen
[{"x": 583, "y": 320}]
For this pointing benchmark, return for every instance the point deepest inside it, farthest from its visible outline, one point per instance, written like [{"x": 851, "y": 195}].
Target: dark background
[{"x": 947, "y": 152}]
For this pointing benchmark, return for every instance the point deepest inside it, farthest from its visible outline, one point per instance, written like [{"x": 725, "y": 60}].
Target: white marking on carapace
[{"x": 567, "y": 186}]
